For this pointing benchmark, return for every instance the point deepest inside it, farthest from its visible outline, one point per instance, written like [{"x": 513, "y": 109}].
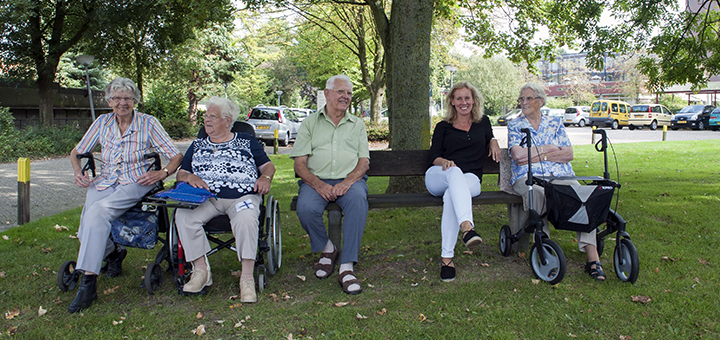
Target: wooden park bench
[{"x": 414, "y": 163}]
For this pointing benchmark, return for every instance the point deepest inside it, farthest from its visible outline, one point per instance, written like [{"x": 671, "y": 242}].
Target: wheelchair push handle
[
  {"x": 90, "y": 164},
  {"x": 156, "y": 165}
]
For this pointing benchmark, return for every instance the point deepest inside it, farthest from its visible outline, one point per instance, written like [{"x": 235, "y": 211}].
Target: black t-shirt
[{"x": 468, "y": 149}]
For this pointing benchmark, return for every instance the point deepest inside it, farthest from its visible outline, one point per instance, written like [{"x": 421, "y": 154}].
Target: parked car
[
  {"x": 652, "y": 115},
  {"x": 714, "y": 122},
  {"x": 612, "y": 113},
  {"x": 302, "y": 113},
  {"x": 267, "y": 119},
  {"x": 510, "y": 115},
  {"x": 577, "y": 115},
  {"x": 555, "y": 113},
  {"x": 692, "y": 116}
]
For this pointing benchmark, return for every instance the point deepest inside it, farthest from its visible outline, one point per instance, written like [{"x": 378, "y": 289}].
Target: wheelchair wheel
[
  {"x": 153, "y": 278},
  {"x": 274, "y": 232},
  {"x": 505, "y": 241},
  {"x": 553, "y": 271},
  {"x": 68, "y": 277},
  {"x": 599, "y": 243},
  {"x": 626, "y": 261}
]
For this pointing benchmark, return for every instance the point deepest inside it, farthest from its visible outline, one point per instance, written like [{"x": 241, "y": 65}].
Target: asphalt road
[{"x": 52, "y": 189}]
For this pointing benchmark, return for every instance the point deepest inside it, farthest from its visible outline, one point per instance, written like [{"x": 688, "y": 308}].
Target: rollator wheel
[
  {"x": 153, "y": 278},
  {"x": 261, "y": 274},
  {"x": 261, "y": 282},
  {"x": 553, "y": 271},
  {"x": 505, "y": 241},
  {"x": 68, "y": 277},
  {"x": 626, "y": 261}
]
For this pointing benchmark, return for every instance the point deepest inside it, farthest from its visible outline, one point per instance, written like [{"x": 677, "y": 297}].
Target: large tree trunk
[
  {"x": 46, "y": 100},
  {"x": 408, "y": 82}
]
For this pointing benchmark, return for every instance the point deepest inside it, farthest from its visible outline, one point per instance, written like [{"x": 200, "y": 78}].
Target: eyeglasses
[
  {"x": 523, "y": 99},
  {"x": 211, "y": 117},
  {"x": 343, "y": 92},
  {"x": 120, "y": 99}
]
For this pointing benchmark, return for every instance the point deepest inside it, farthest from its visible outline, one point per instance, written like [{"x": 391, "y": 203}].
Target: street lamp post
[
  {"x": 452, "y": 70},
  {"x": 279, "y": 93},
  {"x": 85, "y": 60}
]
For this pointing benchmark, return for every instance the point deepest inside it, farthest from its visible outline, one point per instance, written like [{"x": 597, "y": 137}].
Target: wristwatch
[
  {"x": 167, "y": 172},
  {"x": 268, "y": 177}
]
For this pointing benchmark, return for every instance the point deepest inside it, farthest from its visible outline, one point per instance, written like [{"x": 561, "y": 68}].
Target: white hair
[
  {"x": 228, "y": 108},
  {"x": 538, "y": 89},
  {"x": 330, "y": 84},
  {"x": 122, "y": 84}
]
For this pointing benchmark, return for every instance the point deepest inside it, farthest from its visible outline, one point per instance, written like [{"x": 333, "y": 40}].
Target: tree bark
[
  {"x": 192, "y": 97},
  {"x": 408, "y": 82}
]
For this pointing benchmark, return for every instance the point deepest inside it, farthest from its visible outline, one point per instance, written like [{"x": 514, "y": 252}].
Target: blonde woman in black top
[{"x": 460, "y": 144}]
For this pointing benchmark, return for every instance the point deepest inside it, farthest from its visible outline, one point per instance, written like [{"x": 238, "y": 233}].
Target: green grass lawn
[{"x": 670, "y": 198}]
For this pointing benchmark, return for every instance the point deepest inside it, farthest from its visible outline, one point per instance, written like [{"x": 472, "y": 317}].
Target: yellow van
[{"x": 610, "y": 113}]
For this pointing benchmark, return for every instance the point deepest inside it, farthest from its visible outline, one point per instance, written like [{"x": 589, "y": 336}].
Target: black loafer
[
  {"x": 114, "y": 261},
  {"x": 447, "y": 273},
  {"x": 472, "y": 239},
  {"x": 87, "y": 293}
]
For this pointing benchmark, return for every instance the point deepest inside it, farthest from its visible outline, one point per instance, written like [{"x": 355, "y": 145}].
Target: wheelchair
[
  {"x": 269, "y": 255},
  {"x": 568, "y": 210},
  {"x": 156, "y": 216}
]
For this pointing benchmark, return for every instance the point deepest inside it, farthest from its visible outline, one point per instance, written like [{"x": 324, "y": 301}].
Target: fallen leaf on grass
[
  {"x": 640, "y": 298},
  {"x": 668, "y": 259},
  {"x": 484, "y": 264},
  {"x": 61, "y": 228},
  {"x": 41, "y": 311},
  {"x": 237, "y": 305},
  {"x": 73, "y": 237},
  {"x": 657, "y": 270},
  {"x": 239, "y": 324},
  {"x": 199, "y": 315},
  {"x": 422, "y": 317},
  {"x": 115, "y": 323},
  {"x": 521, "y": 255},
  {"x": 6, "y": 238},
  {"x": 340, "y": 304},
  {"x": 301, "y": 277},
  {"x": 382, "y": 311},
  {"x": 535, "y": 281},
  {"x": 703, "y": 261},
  {"x": 46, "y": 250},
  {"x": 274, "y": 297},
  {"x": 696, "y": 279},
  {"x": 12, "y": 330},
  {"x": 2, "y": 274},
  {"x": 111, "y": 290},
  {"x": 200, "y": 330},
  {"x": 469, "y": 252},
  {"x": 11, "y": 314},
  {"x": 219, "y": 322},
  {"x": 286, "y": 296},
  {"x": 290, "y": 337},
  {"x": 360, "y": 316},
  {"x": 624, "y": 337},
  {"x": 236, "y": 273}
]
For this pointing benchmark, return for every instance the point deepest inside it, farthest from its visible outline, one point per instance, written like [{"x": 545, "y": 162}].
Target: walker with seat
[{"x": 578, "y": 208}]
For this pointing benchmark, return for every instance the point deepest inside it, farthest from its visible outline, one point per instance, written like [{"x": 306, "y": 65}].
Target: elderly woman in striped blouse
[{"x": 125, "y": 136}]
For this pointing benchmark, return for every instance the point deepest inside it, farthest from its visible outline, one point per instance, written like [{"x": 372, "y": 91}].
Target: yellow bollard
[
  {"x": 275, "y": 147},
  {"x": 592, "y": 134},
  {"x": 23, "y": 190},
  {"x": 664, "y": 132}
]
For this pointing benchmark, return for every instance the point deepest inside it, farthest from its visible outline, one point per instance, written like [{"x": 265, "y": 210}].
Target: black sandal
[
  {"x": 447, "y": 273},
  {"x": 596, "y": 273},
  {"x": 471, "y": 239}
]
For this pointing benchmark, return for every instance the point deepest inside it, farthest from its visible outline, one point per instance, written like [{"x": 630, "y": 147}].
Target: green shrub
[
  {"x": 166, "y": 100},
  {"x": 7, "y": 124},
  {"x": 38, "y": 142},
  {"x": 178, "y": 128},
  {"x": 377, "y": 132}
]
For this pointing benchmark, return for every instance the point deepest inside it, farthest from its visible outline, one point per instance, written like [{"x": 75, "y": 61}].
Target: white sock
[
  {"x": 345, "y": 267},
  {"x": 329, "y": 247}
]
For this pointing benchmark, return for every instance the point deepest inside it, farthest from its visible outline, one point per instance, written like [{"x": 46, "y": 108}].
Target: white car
[
  {"x": 577, "y": 115},
  {"x": 302, "y": 113},
  {"x": 267, "y": 119}
]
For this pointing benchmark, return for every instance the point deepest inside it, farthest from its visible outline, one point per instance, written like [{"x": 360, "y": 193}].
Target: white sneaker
[
  {"x": 199, "y": 279},
  {"x": 247, "y": 290}
]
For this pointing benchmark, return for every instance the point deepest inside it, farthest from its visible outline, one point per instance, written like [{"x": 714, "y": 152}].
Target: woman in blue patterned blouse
[
  {"x": 552, "y": 150},
  {"x": 235, "y": 167}
]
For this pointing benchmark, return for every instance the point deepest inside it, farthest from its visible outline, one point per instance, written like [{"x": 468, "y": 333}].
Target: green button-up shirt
[{"x": 333, "y": 151}]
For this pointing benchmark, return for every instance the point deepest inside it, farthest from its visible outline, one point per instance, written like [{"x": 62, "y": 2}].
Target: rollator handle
[{"x": 90, "y": 164}]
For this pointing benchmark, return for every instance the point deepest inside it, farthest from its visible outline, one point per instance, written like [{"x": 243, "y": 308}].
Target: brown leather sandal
[
  {"x": 348, "y": 283},
  {"x": 328, "y": 268}
]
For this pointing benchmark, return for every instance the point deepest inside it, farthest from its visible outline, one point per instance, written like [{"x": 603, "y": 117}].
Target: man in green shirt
[{"x": 331, "y": 157}]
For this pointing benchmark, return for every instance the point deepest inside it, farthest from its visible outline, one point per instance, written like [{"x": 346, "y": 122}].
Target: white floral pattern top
[{"x": 550, "y": 131}]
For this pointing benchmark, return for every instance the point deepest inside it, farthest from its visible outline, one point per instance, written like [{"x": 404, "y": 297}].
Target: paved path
[{"x": 52, "y": 189}]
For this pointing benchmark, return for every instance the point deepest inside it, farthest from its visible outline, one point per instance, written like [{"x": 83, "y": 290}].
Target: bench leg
[
  {"x": 335, "y": 227},
  {"x": 517, "y": 217}
]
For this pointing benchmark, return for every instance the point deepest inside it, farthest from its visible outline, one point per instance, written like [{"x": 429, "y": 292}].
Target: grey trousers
[
  {"x": 101, "y": 208},
  {"x": 310, "y": 209},
  {"x": 244, "y": 215},
  {"x": 521, "y": 188}
]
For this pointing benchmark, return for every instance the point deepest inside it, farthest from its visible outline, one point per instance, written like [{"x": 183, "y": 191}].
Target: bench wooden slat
[{"x": 382, "y": 201}]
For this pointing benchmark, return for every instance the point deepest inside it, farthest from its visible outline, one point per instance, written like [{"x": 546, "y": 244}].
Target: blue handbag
[{"x": 136, "y": 228}]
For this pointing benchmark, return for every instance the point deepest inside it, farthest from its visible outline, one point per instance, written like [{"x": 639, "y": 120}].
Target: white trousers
[
  {"x": 457, "y": 190},
  {"x": 244, "y": 215},
  {"x": 521, "y": 188}
]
